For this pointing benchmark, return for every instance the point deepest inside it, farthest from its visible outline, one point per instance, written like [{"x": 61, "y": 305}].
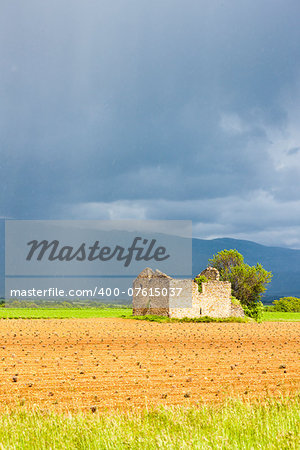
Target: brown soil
[{"x": 79, "y": 364}]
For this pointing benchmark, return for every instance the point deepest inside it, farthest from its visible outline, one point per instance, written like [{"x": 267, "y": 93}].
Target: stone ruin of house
[{"x": 156, "y": 293}]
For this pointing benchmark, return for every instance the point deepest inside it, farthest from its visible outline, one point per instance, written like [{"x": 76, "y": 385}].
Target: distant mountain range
[{"x": 284, "y": 263}]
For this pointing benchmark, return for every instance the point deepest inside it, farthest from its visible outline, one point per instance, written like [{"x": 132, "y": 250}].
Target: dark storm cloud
[
  {"x": 109, "y": 106},
  {"x": 293, "y": 151}
]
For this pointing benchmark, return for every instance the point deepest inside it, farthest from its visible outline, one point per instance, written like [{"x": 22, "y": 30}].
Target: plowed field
[{"x": 117, "y": 363}]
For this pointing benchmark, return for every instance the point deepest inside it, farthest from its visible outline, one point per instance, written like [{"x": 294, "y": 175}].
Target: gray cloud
[
  {"x": 152, "y": 109},
  {"x": 257, "y": 214},
  {"x": 293, "y": 151}
]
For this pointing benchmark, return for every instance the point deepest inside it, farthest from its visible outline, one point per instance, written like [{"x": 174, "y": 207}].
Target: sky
[{"x": 153, "y": 110}]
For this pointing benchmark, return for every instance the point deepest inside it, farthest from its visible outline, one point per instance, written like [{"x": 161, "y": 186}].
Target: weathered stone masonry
[{"x": 150, "y": 287}]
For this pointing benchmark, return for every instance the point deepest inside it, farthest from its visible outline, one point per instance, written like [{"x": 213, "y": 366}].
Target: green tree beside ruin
[{"x": 248, "y": 283}]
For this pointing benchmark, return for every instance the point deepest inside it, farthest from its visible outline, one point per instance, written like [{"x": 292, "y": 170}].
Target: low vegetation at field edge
[
  {"x": 204, "y": 319},
  {"x": 285, "y": 304},
  {"x": 234, "y": 425}
]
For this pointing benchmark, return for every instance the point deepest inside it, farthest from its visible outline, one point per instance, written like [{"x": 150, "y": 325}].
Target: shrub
[
  {"x": 287, "y": 304},
  {"x": 235, "y": 301},
  {"x": 255, "y": 311},
  {"x": 204, "y": 319},
  {"x": 199, "y": 281}
]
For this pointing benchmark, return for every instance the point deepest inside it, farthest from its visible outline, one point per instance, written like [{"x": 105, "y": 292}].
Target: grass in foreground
[
  {"x": 36, "y": 313},
  {"x": 235, "y": 425}
]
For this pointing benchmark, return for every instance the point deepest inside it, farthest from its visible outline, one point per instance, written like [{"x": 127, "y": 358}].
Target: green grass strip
[
  {"x": 36, "y": 313},
  {"x": 278, "y": 316}
]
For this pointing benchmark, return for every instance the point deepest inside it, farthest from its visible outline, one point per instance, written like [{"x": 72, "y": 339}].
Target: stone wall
[
  {"x": 188, "y": 303},
  {"x": 151, "y": 311},
  {"x": 213, "y": 301},
  {"x": 236, "y": 311}
]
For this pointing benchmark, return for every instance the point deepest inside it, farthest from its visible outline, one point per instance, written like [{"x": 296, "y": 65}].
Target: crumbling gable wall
[
  {"x": 210, "y": 273},
  {"x": 146, "y": 282}
]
